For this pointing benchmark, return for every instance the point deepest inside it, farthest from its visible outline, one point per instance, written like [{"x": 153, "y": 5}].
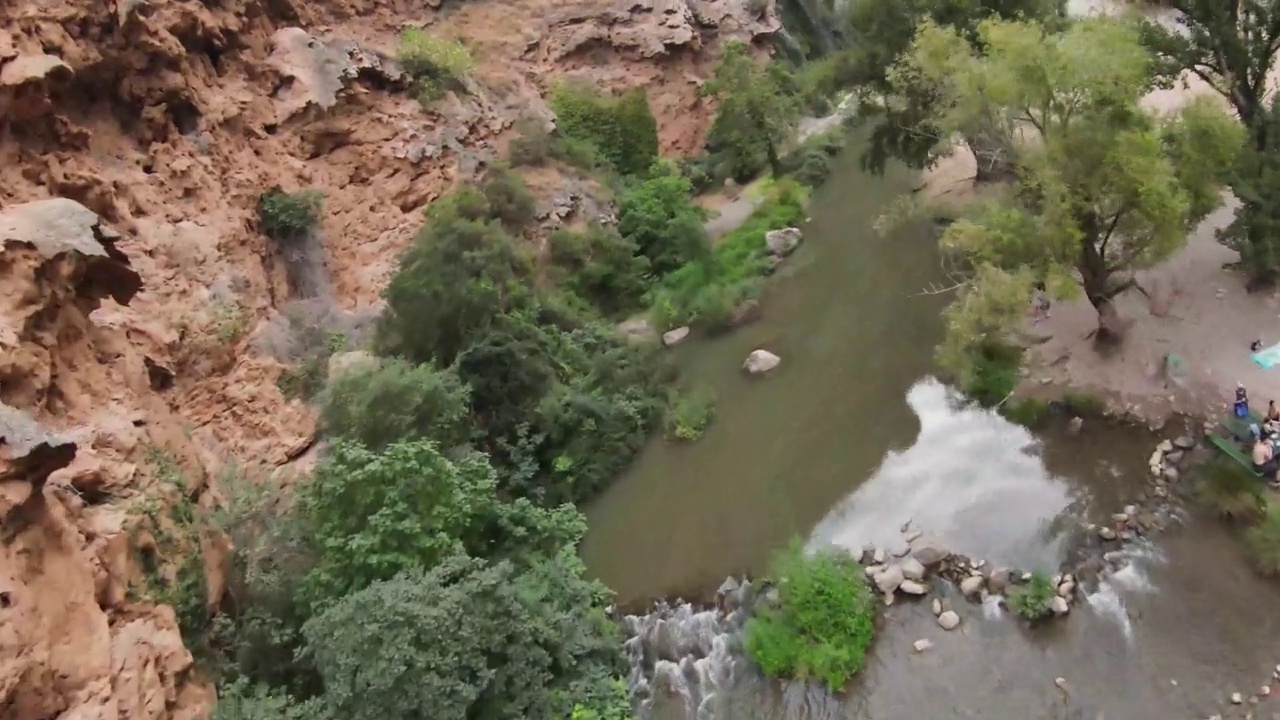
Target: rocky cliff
[{"x": 139, "y": 343}]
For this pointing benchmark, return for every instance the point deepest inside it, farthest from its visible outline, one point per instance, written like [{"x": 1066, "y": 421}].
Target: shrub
[
  {"x": 601, "y": 267},
  {"x": 510, "y": 201},
  {"x": 284, "y": 216},
  {"x": 658, "y": 215},
  {"x": 823, "y": 625},
  {"x": 1033, "y": 600},
  {"x": 689, "y": 414},
  {"x": 1263, "y": 542},
  {"x": 995, "y": 373},
  {"x": 436, "y": 64},
  {"x": 1027, "y": 412},
  {"x": 621, "y": 128},
  {"x": 1230, "y": 491},
  {"x": 397, "y": 400}
]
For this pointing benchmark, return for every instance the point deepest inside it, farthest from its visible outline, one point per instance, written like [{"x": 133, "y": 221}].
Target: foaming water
[{"x": 971, "y": 478}]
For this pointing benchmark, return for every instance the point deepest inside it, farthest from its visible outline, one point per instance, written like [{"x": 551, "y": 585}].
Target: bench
[{"x": 1233, "y": 451}]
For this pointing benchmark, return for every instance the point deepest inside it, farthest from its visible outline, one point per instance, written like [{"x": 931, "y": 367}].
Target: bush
[
  {"x": 601, "y": 267},
  {"x": 284, "y": 216},
  {"x": 689, "y": 415},
  {"x": 994, "y": 374},
  {"x": 658, "y": 215},
  {"x": 824, "y": 623},
  {"x": 510, "y": 201},
  {"x": 1263, "y": 542},
  {"x": 436, "y": 64},
  {"x": 621, "y": 128},
  {"x": 1231, "y": 491},
  {"x": 397, "y": 400},
  {"x": 1033, "y": 600}
]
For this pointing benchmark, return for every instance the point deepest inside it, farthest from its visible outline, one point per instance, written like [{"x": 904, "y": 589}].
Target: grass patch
[
  {"x": 436, "y": 64},
  {"x": 824, "y": 623},
  {"x": 688, "y": 415},
  {"x": 1083, "y": 405},
  {"x": 1027, "y": 412},
  {"x": 995, "y": 373},
  {"x": 707, "y": 292},
  {"x": 283, "y": 215},
  {"x": 1263, "y": 542},
  {"x": 1033, "y": 600},
  {"x": 1230, "y": 491}
]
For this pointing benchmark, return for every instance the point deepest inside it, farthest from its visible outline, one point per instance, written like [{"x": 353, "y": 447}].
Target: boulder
[
  {"x": 783, "y": 242},
  {"x": 1066, "y": 589},
  {"x": 929, "y": 551},
  {"x": 912, "y": 569},
  {"x": 1173, "y": 458},
  {"x": 671, "y": 338},
  {"x": 949, "y": 620},
  {"x": 1106, "y": 533},
  {"x": 1184, "y": 442},
  {"x": 998, "y": 579},
  {"x": 1164, "y": 447},
  {"x": 878, "y": 556},
  {"x": 1060, "y": 606},
  {"x": 971, "y": 586},
  {"x": 913, "y": 587},
  {"x": 760, "y": 362},
  {"x": 889, "y": 580},
  {"x": 1171, "y": 474}
]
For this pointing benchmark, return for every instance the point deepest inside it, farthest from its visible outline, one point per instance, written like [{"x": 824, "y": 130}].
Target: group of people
[{"x": 1265, "y": 438}]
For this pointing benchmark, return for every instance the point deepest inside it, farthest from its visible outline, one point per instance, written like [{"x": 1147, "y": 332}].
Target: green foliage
[
  {"x": 1027, "y": 412},
  {"x": 613, "y": 704},
  {"x": 1033, "y": 600},
  {"x": 307, "y": 378},
  {"x": 510, "y": 201},
  {"x": 1231, "y": 491},
  {"x": 1108, "y": 190},
  {"x": 1263, "y": 542},
  {"x": 396, "y": 400},
  {"x": 993, "y": 373},
  {"x": 1232, "y": 47},
  {"x": 601, "y": 267},
  {"x": 757, "y": 115},
  {"x": 810, "y": 163},
  {"x": 284, "y": 216},
  {"x": 622, "y": 129},
  {"x": 659, "y": 217},
  {"x": 462, "y": 640},
  {"x": 689, "y": 414},
  {"x": 436, "y": 64},
  {"x": 824, "y": 624},
  {"x": 462, "y": 271},
  {"x": 375, "y": 515},
  {"x": 707, "y": 291}
]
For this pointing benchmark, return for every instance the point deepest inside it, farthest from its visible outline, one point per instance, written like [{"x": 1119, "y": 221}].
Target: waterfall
[{"x": 812, "y": 22}]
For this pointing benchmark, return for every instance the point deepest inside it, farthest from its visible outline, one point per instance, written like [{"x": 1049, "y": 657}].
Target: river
[{"x": 851, "y": 437}]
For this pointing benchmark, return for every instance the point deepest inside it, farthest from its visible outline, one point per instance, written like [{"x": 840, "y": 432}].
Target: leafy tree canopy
[
  {"x": 659, "y": 217},
  {"x": 397, "y": 400},
  {"x": 757, "y": 114}
]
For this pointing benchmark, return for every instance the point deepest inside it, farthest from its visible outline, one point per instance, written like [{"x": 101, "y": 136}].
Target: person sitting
[
  {"x": 1242, "y": 402},
  {"x": 1273, "y": 412},
  {"x": 1264, "y": 460}
]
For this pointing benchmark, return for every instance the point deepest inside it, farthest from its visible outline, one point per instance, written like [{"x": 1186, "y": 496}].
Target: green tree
[
  {"x": 396, "y": 400},
  {"x": 659, "y": 217},
  {"x": 466, "y": 639},
  {"x": 901, "y": 106},
  {"x": 461, "y": 272},
  {"x": 1103, "y": 190},
  {"x": 1232, "y": 46},
  {"x": 374, "y": 515},
  {"x": 755, "y": 109},
  {"x": 621, "y": 128}
]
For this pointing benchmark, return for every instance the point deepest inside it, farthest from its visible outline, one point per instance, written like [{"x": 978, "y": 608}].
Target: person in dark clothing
[{"x": 1242, "y": 401}]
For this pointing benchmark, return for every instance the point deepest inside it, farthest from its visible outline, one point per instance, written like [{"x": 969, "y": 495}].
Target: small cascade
[
  {"x": 685, "y": 661},
  {"x": 1129, "y": 575}
]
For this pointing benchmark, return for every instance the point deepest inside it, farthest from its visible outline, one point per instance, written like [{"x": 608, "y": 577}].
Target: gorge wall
[{"x": 138, "y": 294}]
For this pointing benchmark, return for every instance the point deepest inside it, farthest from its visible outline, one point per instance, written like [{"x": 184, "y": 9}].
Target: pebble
[
  {"x": 949, "y": 620},
  {"x": 921, "y": 645},
  {"x": 1265, "y": 690},
  {"x": 912, "y": 569},
  {"x": 1061, "y": 683},
  {"x": 1060, "y": 606},
  {"x": 1236, "y": 698},
  {"x": 937, "y": 606},
  {"x": 1165, "y": 447},
  {"x": 971, "y": 586},
  {"x": 878, "y": 556},
  {"x": 1066, "y": 590},
  {"x": 1106, "y": 533}
]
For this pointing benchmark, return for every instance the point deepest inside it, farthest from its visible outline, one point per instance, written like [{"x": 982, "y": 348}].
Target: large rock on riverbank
[{"x": 760, "y": 362}]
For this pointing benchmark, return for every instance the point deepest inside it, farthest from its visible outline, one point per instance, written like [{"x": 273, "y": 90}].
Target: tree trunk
[
  {"x": 993, "y": 152},
  {"x": 775, "y": 163},
  {"x": 1110, "y": 326}
]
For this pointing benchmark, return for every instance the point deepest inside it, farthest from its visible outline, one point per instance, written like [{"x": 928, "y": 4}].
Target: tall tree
[
  {"x": 1232, "y": 46},
  {"x": 882, "y": 31},
  {"x": 1103, "y": 188},
  {"x": 755, "y": 109}
]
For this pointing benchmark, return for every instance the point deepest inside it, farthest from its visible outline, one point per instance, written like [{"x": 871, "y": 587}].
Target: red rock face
[{"x": 140, "y": 308}]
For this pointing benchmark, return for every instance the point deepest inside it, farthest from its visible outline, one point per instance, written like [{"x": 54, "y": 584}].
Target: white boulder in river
[
  {"x": 671, "y": 338},
  {"x": 761, "y": 361},
  {"x": 949, "y": 620},
  {"x": 783, "y": 242}
]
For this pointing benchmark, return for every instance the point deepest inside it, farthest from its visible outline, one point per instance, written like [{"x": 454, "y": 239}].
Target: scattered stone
[
  {"x": 784, "y": 241},
  {"x": 912, "y": 569},
  {"x": 913, "y": 587},
  {"x": 998, "y": 579},
  {"x": 1173, "y": 458},
  {"x": 1075, "y": 425},
  {"x": 1184, "y": 442},
  {"x": 949, "y": 620},
  {"x": 889, "y": 580},
  {"x": 971, "y": 586},
  {"x": 921, "y": 645},
  {"x": 1067, "y": 590},
  {"x": 878, "y": 556},
  {"x": 1061, "y": 683},
  {"x": 888, "y": 599},
  {"x": 671, "y": 338},
  {"x": 911, "y": 536},
  {"x": 1171, "y": 474},
  {"x": 1106, "y": 533},
  {"x": 1165, "y": 446},
  {"x": 1156, "y": 458},
  {"x": 929, "y": 551},
  {"x": 1060, "y": 606},
  {"x": 760, "y": 362},
  {"x": 937, "y": 607},
  {"x": 1236, "y": 698},
  {"x": 1119, "y": 517},
  {"x": 1265, "y": 690}
]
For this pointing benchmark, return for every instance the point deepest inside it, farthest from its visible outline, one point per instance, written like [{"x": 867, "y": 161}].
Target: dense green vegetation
[
  {"x": 436, "y": 64},
  {"x": 1033, "y": 599},
  {"x": 1263, "y": 541},
  {"x": 1229, "y": 490},
  {"x": 621, "y": 128},
  {"x": 284, "y": 216},
  {"x": 823, "y": 624}
]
